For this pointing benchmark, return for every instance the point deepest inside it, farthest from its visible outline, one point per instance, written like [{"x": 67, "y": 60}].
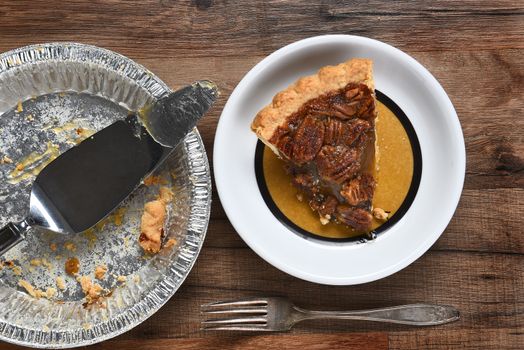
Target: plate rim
[{"x": 342, "y": 39}]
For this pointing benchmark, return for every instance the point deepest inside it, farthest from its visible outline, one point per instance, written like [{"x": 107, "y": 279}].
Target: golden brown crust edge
[{"x": 288, "y": 101}]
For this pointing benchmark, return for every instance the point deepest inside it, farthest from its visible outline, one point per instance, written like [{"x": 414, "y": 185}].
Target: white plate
[{"x": 414, "y": 90}]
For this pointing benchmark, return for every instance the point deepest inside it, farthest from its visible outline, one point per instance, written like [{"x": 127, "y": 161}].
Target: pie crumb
[
  {"x": 35, "y": 293},
  {"x": 35, "y": 262},
  {"x": 50, "y": 292},
  {"x": 60, "y": 283},
  {"x": 165, "y": 194},
  {"x": 380, "y": 214},
  {"x": 152, "y": 224},
  {"x": 324, "y": 220},
  {"x": 91, "y": 290},
  {"x": 19, "y": 107},
  {"x": 154, "y": 180},
  {"x": 70, "y": 246},
  {"x": 6, "y": 160},
  {"x": 17, "y": 270},
  {"x": 100, "y": 272},
  {"x": 170, "y": 242},
  {"x": 47, "y": 264},
  {"x": 121, "y": 279}
]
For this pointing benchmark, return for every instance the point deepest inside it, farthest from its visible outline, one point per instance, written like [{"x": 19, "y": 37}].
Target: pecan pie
[{"x": 323, "y": 126}]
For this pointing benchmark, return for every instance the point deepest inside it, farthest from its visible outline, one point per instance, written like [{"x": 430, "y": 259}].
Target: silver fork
[{"x": 279, "y": 314}]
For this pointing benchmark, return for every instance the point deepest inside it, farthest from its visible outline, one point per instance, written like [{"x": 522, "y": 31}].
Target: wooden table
[{"x": 474, "y": 49}]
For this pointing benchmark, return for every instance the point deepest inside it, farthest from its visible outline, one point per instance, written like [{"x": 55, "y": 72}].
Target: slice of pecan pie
[{"x": 323, "y": 126}]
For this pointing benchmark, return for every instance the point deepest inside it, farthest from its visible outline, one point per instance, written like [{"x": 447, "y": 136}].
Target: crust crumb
[
  {"x": 60, "y": 283},
  {"x": 37, "y": 293},
  {"x": 6, "y": 160},
  {"x": 17, "y": 270},
  {"x": 93, "y": 291},
  {"x": 154, "y": 180},
  {"x": 70, "y": 246},
  {"x": 152, "y": 224},
  {"x": 100, "y": 272},
  {"x": 170, "y": 242},
  {"x": 121, "y": 279},
  {"x": 50, "y": 292},
  {"x": 380, "y": 214},
  {"x": 35, "y": 262}
]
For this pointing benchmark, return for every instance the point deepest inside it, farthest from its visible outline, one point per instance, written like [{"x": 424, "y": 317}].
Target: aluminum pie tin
[{"x": 49, "y": 95}]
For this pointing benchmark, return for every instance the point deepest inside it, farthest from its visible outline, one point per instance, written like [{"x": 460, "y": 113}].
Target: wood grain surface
[{"x": 474, "y": 48}]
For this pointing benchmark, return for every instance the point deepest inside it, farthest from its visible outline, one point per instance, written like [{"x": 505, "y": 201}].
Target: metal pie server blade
[{"x": 84, "y": 184}]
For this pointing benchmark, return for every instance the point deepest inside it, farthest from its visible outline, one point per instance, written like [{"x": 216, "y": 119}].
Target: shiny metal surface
[
  {"x": 172, "y": 117},
  {"x": 279, "y": 314},
  {"x": 51, "y": 97},
  {"x": 86, "y": 183}
]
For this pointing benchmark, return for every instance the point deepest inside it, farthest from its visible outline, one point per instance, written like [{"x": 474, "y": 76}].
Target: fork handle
[{"x": 413, "y": 314}]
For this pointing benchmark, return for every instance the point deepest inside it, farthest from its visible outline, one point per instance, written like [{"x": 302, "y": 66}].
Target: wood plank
[
  {"x": 490, "y": 108},
  {"x": 486, "y": 288},
  {"x": 225, "y": 28},
  {"x": 473, "y": 48},
  {"x": 275, "y": 341},
  {"x": 431, "y": 339},
  {"x": 486, "y": 221}
]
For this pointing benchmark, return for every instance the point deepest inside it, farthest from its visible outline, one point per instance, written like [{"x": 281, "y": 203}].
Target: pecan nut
[
  {"x": 324, "y": 206},
  {"x": 337, "y": 163},
  {"x": 359, "y": 191},
  {"x": 285, "y": 146},
  {"x": 358, "y": 218},
  {"x": 344, "y": 133},
  {"x": 308, "y": 140}
]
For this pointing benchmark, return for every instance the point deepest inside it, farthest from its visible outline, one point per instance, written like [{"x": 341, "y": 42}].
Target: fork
[{"x": 279, "y": 314}]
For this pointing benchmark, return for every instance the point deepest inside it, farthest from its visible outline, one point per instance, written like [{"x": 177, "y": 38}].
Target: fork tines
[{"x": 245, "y": 315}]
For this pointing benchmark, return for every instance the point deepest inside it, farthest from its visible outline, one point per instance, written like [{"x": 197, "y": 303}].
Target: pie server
[{"x": 84, "y": 184}]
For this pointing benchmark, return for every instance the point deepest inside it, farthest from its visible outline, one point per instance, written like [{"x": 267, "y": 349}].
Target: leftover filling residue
[{"x": 32, "y": 164}]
